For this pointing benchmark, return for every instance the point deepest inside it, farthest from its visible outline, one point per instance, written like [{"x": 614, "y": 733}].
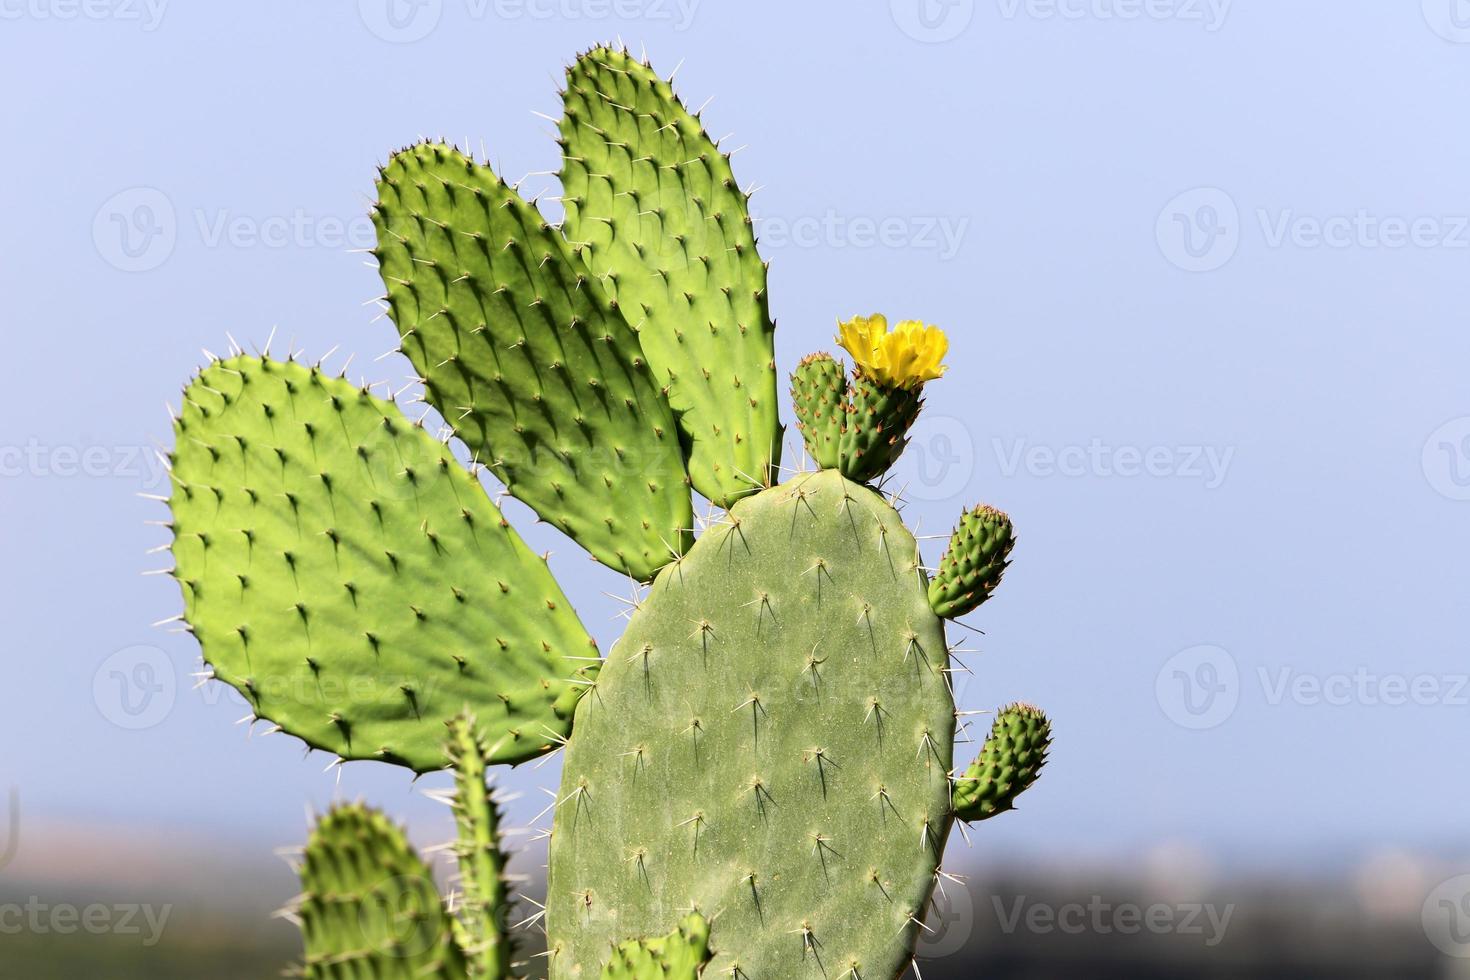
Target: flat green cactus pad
[
  {"x": 369, "y": 905},
  {"x": 522, "y": 354},
  {"x": 353, "y": 581},
  {"x": 770, "y": 742},
  {"x": 653, "y": 206},
  {"x": 681, "y": 955}
]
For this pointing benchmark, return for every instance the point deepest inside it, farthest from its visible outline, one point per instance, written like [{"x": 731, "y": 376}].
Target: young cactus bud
[
  {"x": 979, "y": 551},
  {"x": 885, "y": 398},
  {"x": 681, "y": 955},
  {"x": 875, "y": 429},
  {"x": 1009, "y": 762},
  {"x": 819, "y": 393}
]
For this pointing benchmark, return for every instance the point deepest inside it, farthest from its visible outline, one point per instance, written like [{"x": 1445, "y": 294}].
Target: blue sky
[{"x": 1203, "y": 265}]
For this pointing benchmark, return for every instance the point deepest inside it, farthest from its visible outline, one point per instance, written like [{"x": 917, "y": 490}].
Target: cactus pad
[
  {"x": 654, "y": 208},
  {"x": 521, "y": 353},
  {"x": 979, "y": 551},
  {"x": 771, "y": 740},
  {"x": 369, "y": 906},
  {"x": 353, "y": 581},
  {"x": 681, "y": 955},
  {"x": 819, "y": 396},
  {"x": 1009, "y": 763}
]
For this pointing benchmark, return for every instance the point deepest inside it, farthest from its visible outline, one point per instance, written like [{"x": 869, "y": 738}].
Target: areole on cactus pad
[{"x": 759, "y": 778}]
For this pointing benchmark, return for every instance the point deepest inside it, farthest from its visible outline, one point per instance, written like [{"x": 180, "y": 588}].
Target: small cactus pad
[
  {"x": 819, "y": 395},
  {"x": 369, "y": 906},
  {"x": 681, "y": 955},
  {"x": 1009, "y": 763},
  {"x": 346, "y": 575},
  {"x": 979, "y": 551},
  {"x": 875, "y": 430},
  {"x": 654, "y": 208},
  {"x": 521, "y": 353},
  {"x": 771, "y": 740},
  {"x": 483, "y": 903}
]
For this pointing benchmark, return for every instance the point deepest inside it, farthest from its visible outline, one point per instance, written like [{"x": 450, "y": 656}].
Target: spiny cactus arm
[
  {"x": 1009, "y": 762},
  {"x": 369, "y": 905},
  {"x": 483, "y": 906},
  {"x": 819, "y": 396},
  {"x": 520, "y": 351},
  {"x": 344, "y": 573},
  {"x": 978, "y": 555},
  {"x": 652, "y": 204},
  {"x": 681, "y": 955}
]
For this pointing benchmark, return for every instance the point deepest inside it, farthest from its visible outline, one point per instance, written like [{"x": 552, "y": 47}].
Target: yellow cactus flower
[{"x": 904, "y": 358}]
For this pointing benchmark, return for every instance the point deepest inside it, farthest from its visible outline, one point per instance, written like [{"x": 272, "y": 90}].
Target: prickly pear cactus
[
  {"x": 771, "y": 739},
  {"x": 369, "y": 905},
  {"x": 681, "y": 955},
  {"x": 766, "y": 757}
]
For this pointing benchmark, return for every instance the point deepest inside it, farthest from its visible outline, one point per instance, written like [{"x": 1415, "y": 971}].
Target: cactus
[
  {"x": 522, "y": 353},
  {"x": 819, "y": 398},
  {"x": 681, "y": 955},
  {"x": 979, "y": 551},
  {"x": 369, "y": 906},
  {"x": 1009, "y": 762},
  {"x": 772, "y": 738},
  {"x": 653, "y": 207},
  {"x": 353, "y": 581},
  {"x": 480, "y": 927},
  {"x": 770, "y": 744}
]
